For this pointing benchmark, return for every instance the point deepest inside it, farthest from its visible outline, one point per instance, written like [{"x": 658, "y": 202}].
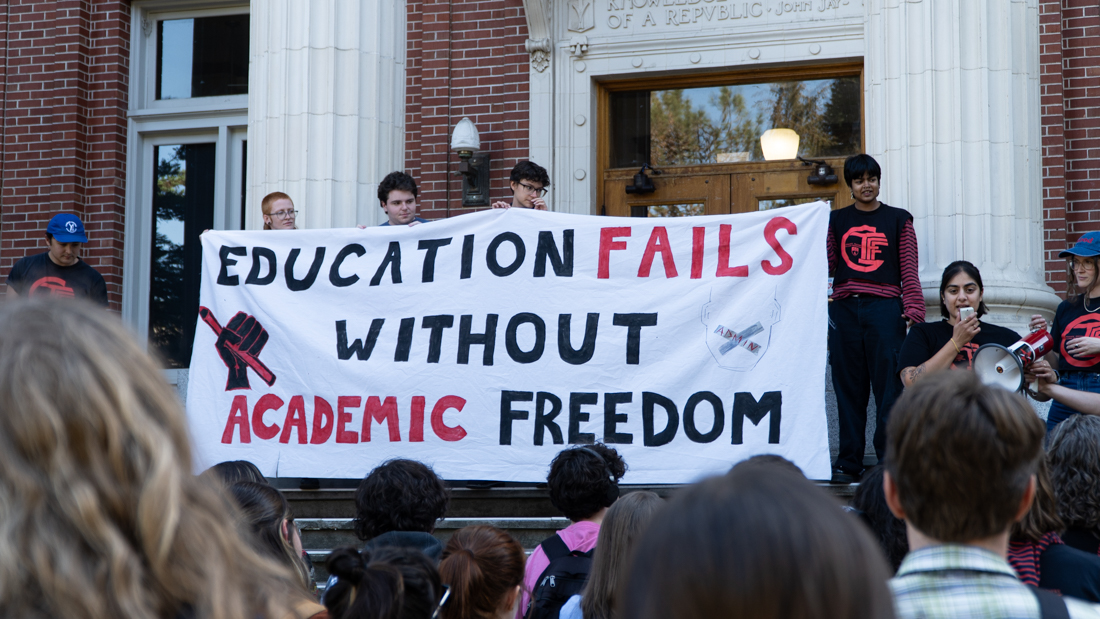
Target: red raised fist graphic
[{"x": 239, "y": 345}]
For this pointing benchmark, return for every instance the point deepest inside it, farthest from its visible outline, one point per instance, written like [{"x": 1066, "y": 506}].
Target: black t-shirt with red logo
[
  {"x": 1071, "y": 320},
  {"x": 868, "y": 243},
  {"x": 925, "y": 339},
  {"x": 39, "y": 276}
]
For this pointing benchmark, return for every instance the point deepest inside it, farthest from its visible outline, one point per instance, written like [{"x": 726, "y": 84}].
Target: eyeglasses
[
  {"x": 1083, "y": 265},
  {"x": 538, "y": 191},
  {"x": 442, "y": 600},
  {"x": 285, "y": 214}
]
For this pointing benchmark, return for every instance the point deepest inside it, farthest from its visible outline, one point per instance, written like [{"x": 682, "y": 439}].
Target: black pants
[{"x": 864, "y": 339}]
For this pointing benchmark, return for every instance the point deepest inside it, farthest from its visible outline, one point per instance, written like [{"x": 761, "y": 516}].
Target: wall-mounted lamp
[
  {"x": 642, "y": 183},
  {"x": 779, "y": 144},
  {"x": 823, "y": 173},
  {"x": 474, "y": 166}
]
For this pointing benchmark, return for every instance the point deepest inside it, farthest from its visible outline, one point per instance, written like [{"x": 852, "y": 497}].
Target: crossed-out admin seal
[{"x": 738, "y": 336}]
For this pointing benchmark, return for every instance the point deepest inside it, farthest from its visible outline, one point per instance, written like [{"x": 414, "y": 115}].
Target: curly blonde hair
[{"x": 99, "y": 513}]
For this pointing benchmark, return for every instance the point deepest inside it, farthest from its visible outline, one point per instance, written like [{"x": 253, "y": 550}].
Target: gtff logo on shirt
[
  {"x": 863, "y": 244},
  {"x": 1085, "y": 326},
  {"x": 52, "y": 286}
]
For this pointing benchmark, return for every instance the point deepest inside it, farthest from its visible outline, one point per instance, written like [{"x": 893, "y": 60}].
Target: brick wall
[
  {"x": 464, "y": 59},
  {"x": 1069, "y": 39},
  {"x": 63, "y": 126}
]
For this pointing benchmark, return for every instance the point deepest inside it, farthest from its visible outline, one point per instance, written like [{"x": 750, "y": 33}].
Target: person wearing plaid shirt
[{"x": 961, "y": 459}]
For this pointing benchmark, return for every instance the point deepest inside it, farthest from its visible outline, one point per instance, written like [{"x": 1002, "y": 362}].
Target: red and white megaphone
[{"x": 1004, "y": 367}]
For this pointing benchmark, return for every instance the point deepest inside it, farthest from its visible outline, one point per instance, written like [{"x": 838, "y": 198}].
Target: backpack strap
[
  {"x": 554, "y": 547},
  {"x": 1051, "y": 605}
]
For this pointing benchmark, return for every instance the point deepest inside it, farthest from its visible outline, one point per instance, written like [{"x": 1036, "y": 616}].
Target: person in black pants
[{"x": 876, "y": 295}]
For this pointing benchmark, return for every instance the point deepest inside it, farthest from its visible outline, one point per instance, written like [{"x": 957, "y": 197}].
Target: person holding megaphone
[
  {"x": 1076, "y": 355},
  {"x": 951, "y": 343}
]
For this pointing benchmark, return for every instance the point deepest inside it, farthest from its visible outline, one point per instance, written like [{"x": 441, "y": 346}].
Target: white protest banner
[{"x": 484, "y": 344}]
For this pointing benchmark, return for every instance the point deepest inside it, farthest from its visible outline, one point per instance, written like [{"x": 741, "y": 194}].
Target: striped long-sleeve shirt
[{"x": 910, "y": 291}]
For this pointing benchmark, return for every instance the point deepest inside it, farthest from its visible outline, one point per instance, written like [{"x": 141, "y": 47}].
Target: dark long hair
[
  {"x": 265, "y": 509},
  {"x": 387, "y": 583},
  {"x": 949, "y": 273},
  {"x": 1074, "y": 457},
  {"x": 870, "y": 503},
  {"x": 760, "y": 542}
]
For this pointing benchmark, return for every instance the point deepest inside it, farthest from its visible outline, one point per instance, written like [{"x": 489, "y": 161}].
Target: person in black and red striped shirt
[{"x": 876, "y": 295}]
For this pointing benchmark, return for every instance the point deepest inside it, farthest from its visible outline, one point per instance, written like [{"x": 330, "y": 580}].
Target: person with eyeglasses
[
  {"x": 397, "y": 194},
  {"x": 278, "y": 210},
  {"x": 529, "y": 181},
  {"x": 1076, "y": 355}
]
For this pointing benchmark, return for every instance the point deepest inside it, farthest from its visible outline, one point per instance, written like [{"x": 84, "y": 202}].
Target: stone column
[
  {"x": 326, "y": 113},
  {"x": 952, "y": 111}
]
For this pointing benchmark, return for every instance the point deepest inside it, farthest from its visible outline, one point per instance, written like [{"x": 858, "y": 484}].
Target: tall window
[{"x": 188, "y": 132}]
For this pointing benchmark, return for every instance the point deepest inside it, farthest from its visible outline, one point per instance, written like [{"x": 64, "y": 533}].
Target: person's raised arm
[{"x": 963, "y": 332}]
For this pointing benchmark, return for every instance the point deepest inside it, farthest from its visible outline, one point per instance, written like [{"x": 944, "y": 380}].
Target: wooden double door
[{"x": 715, "y": 189}]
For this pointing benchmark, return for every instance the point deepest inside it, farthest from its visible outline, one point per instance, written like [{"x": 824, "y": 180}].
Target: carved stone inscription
[{"x": 634, "y": 15}]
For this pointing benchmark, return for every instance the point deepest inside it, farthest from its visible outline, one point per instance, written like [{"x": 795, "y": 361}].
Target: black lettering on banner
[
  {"x": 358, "y": 348},
  {"x": 634, "y": 324},
  {"x": 224, "y": 278},
  {"x": 298, "y": 285},
  {"x": 467, "y": 257},
  {"x": 334, "y": 271},
  {"x": 431, "y": 246},
  {"x": 272, "y": 267},
  {"x": 563, "y": 266},
  {"x": 491, "y": 254},
  {"x": 508, "y": 414},
  {"x": 745, "y": 405},
  {"x": 392, "y": 260},
  {"x": 612, "y": 419},
  {"x": 690, "y": 429},
  {"x": 545, "y": 420},
  {"x": 565, "y": 343},
  {"x": 466, "y": 338},
  {"x": 512, "y": 346},
  {"x": 650, "y": 401},
  {"x": 404, "y": 339},
  {"x": 435, "y": 341},
  {"x": 576, "y": 416}
]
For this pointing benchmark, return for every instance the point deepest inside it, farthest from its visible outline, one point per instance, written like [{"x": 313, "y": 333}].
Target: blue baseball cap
[{"x": 68, "y": 228}]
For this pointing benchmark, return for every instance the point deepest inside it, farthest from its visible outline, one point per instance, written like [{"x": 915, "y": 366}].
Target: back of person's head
[
  {"x": 530, "y": 171},
  {"x": 399, "y": 495},
  {"x": 397, "y": 583},
  {"x": 396, "y": 181},
  {"x": 1074, "y": 458},
  {"x": 100, "y": 513},
  {"x": 484, "y": 568},
  {"x": 869, "y": 502},
  {"x": 584, "y": 480},
  {"x": 269, "y": 202},
  {"x": 1042, "y": 517},
  {"x": 621, "y": 528},
  {"x": 265, "y": 510},
  {"x": 233, "y": 471},
  {"x": 961, "y": 455},
  {"x": 857, "y": 166},
  {"x": 767, "y": 460},
  {"x": 759, "y": 542}
]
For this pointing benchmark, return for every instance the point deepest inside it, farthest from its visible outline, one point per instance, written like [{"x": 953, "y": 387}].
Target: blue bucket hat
[{"x": 68, "y": 228}]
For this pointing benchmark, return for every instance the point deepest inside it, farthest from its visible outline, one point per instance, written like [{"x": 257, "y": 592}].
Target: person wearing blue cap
[
  {"x": 59, "y": 272},
  {"x": 1076, "y": 327}
]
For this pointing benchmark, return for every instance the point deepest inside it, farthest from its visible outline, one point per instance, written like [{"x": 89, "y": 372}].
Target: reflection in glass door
[{"x": 183, "y": 207}]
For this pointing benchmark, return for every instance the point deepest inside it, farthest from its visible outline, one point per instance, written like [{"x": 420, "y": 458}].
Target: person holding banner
[
  {"x": 872, "y": 252},
  {"x": 952, "y": 342},
  {"x": 1076, "y": 355},
  {"x": 278, "y": 211},
  {"x": 529, "y": 181},
  {"x": 397, "y": 194}
]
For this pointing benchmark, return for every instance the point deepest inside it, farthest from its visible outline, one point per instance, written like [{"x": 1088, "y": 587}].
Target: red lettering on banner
[
  {"x": 416, "y": 423},
  {"x": 238, "y": 418},
  {"x": 441, "y": 429},
  {"x": 785, "y": 259},
  {"x": 381, "y": 411},
  {"x": 295, "y": 418},
  {"x": 608, "y": 243},
  {"x": 698, "y": 237},
  {"x": 658, "y": 242},
  {"x": 724, "y": 268},
  {"x": 323, "y": 421},
  {"x": 343, "y": 418},
  {"x": 269, "y": 402}
]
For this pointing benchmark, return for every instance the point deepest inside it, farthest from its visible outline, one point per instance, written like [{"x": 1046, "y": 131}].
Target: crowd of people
[{"x": 100, "y": 515}]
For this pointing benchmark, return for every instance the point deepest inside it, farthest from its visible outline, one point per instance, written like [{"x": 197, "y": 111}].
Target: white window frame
[{"x": 221, "y": 120}]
